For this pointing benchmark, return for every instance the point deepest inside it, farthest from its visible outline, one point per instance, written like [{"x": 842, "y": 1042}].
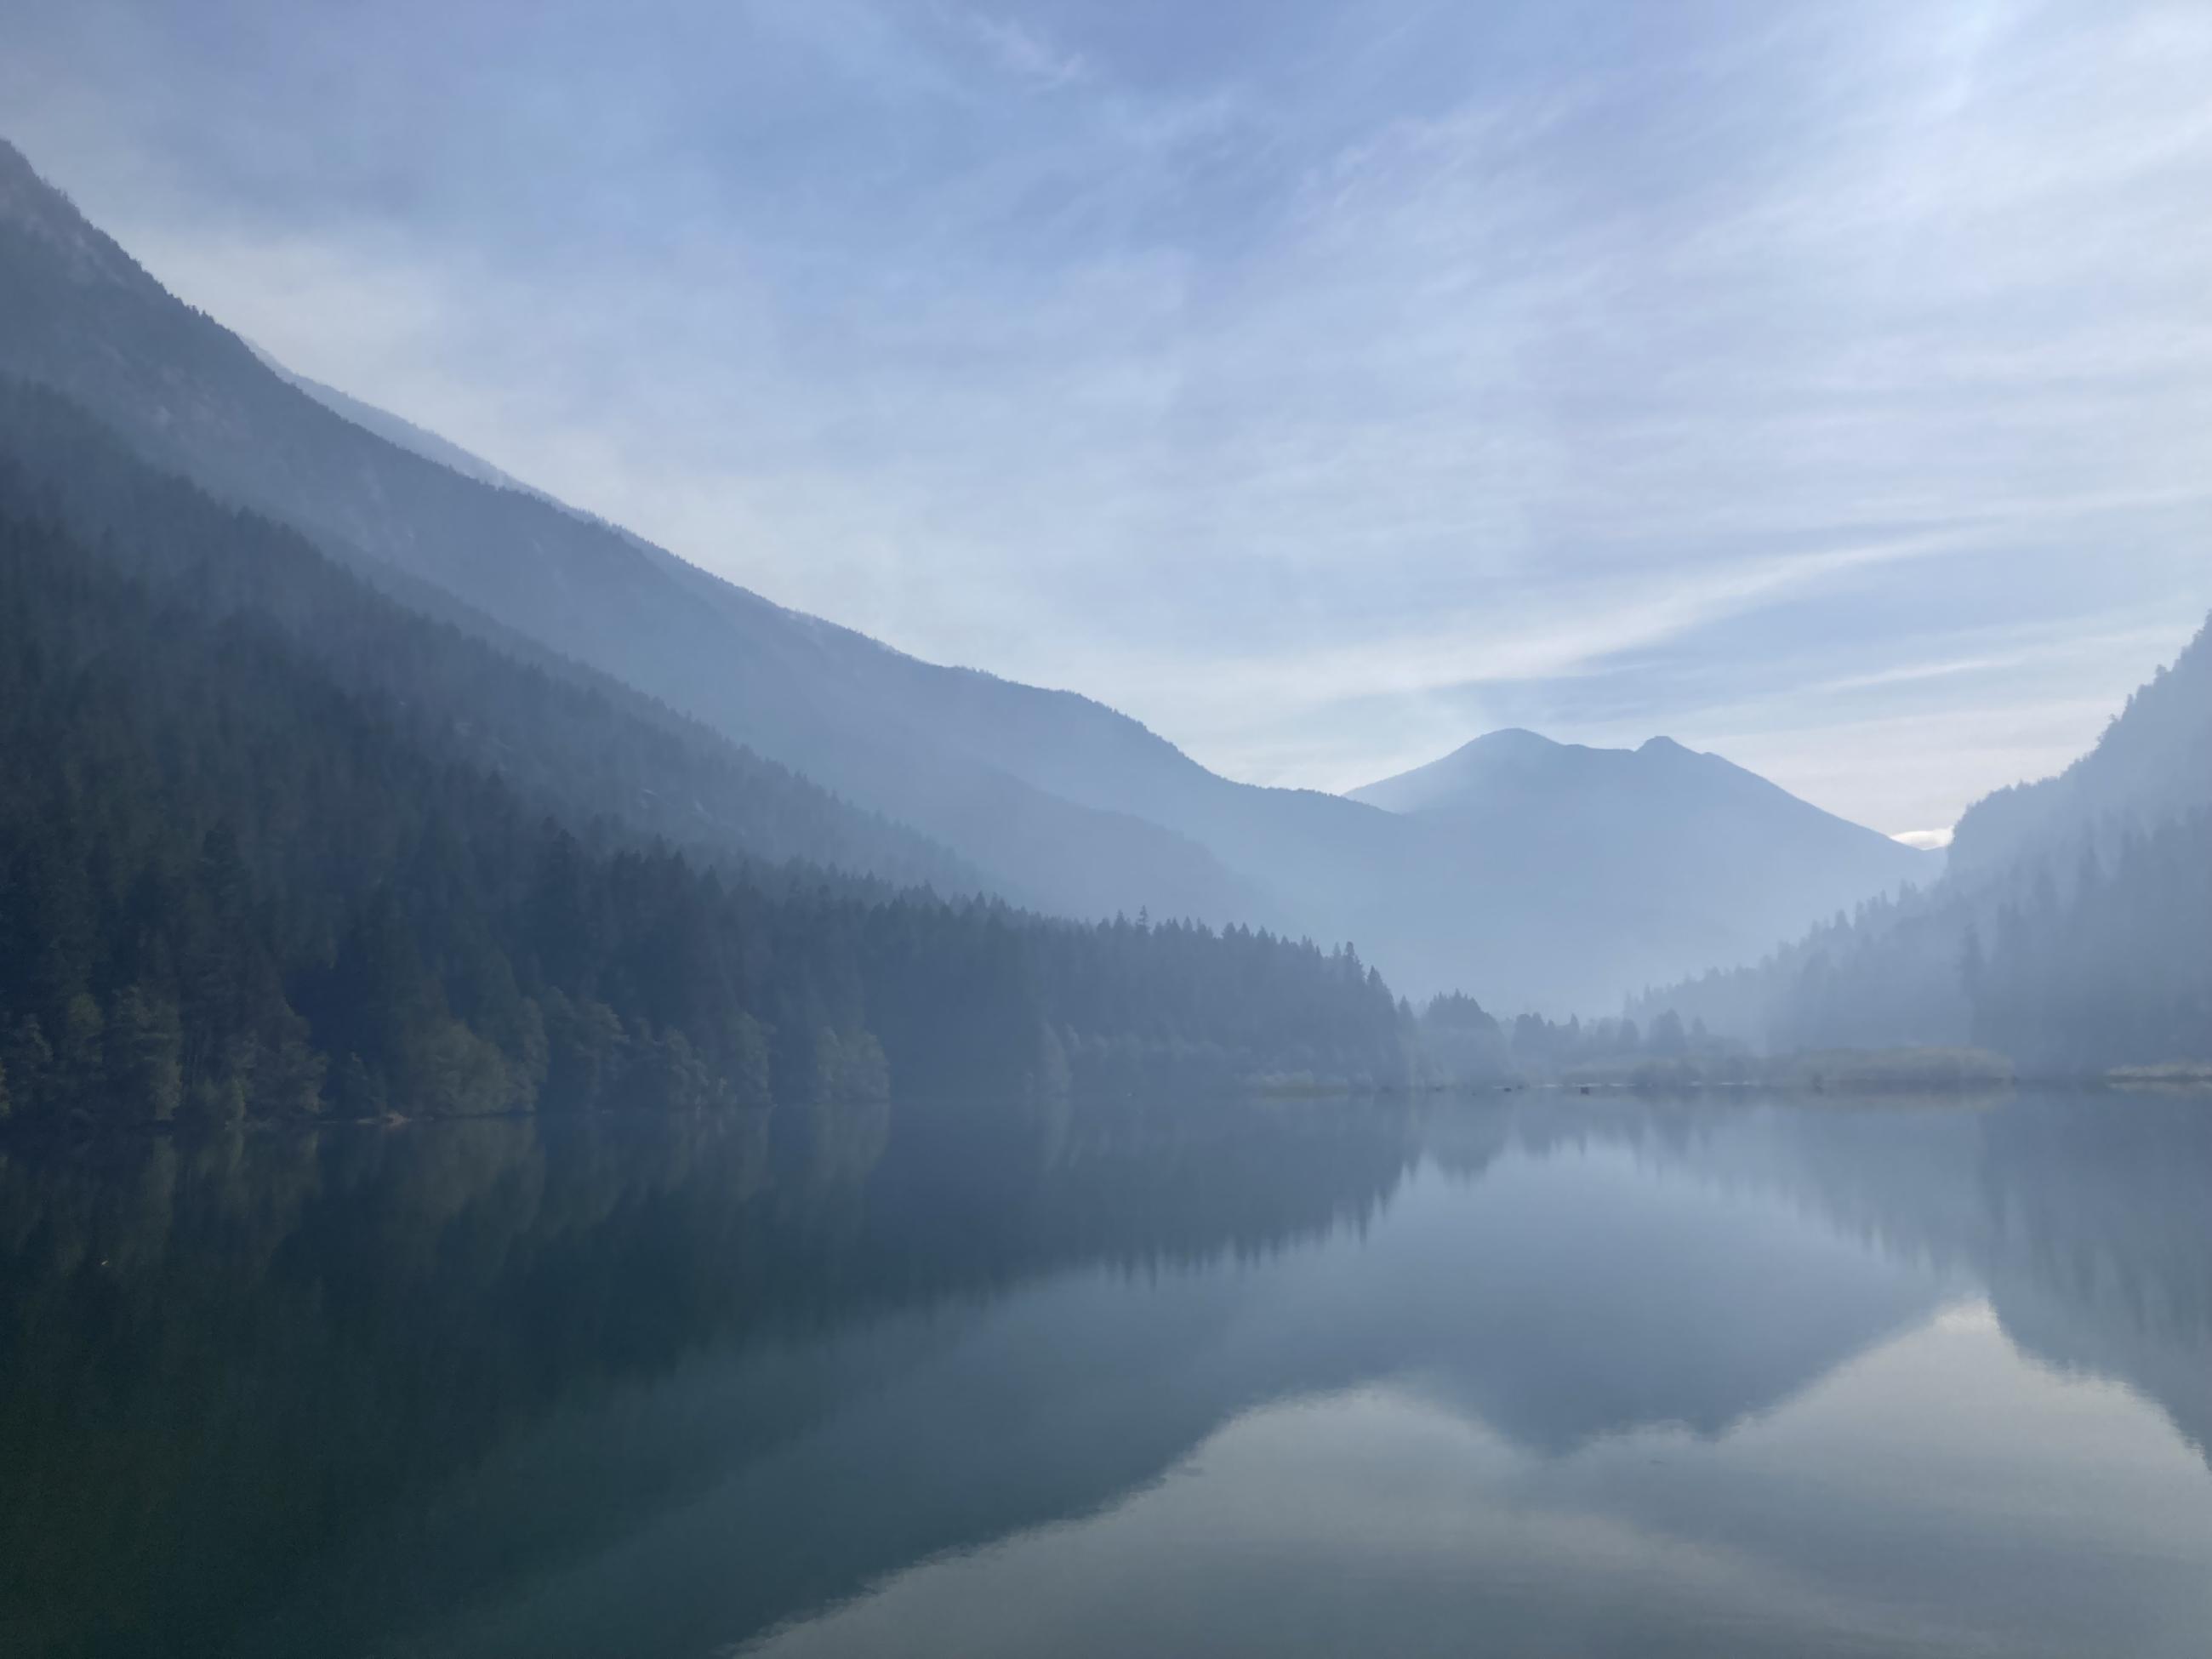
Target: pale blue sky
[{"x": 1826, "y": 384}]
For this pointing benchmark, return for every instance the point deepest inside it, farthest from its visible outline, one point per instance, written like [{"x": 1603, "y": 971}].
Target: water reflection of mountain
[
  {"x": 225, "y": 1362},
  {"x": 2085, "y": 1222},
  {"x": 494, "y": 1386}
]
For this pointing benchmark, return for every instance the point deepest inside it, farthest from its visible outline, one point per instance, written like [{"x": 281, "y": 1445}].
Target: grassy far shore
[
  {"x": 1898, "y": 1072},
  {"x": 1865, "y": 1071},
  {"x": 2180, "y": 1073},
  {"x": 1842, "y": 1069}
]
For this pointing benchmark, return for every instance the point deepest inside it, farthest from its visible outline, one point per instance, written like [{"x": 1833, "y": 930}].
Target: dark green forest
[
  {"x": 2069, "y": 968},
  {"x": 254, "y": 863},
  {"x": 2113, "y": 968},
  {"x": 599, "y": 754},
  {"x": 280, "y": 842},
  {"x": 2073, "y": 932}
]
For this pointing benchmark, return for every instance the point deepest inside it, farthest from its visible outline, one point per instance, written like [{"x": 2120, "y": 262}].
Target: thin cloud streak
[{"x": 1316, "y": 392}]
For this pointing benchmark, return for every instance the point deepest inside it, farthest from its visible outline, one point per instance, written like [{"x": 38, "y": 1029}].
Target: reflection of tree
[
  {"x": 2085, "y": 1216},
  {"x": 218, "y": 1350},
  {"x": 275, "y": 1374},
  {"x": 222, "y": 1356},
  {"x": 2103, "y": 1257}
]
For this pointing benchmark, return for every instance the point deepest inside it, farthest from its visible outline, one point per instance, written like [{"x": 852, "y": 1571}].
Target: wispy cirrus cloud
[
  {"x": 1025, "y": 53},
  {"x": 1318, "y": 382}
]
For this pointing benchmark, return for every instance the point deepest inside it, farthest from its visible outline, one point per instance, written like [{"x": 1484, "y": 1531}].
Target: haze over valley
[
  {"x": 1534, "y": 877},
  {"x": 1099, "y": 828}
]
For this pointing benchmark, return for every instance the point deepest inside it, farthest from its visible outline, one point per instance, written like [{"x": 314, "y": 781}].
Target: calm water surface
[{"x": 1538, "y": 1375}]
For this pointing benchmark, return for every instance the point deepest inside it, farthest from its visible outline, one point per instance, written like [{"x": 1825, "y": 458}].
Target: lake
[{"x": 1532, "y": 1374}]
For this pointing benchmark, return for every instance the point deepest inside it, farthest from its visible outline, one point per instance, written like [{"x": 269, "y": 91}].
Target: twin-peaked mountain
[
  {"x": 1647, "y": 852},
  {"x": 1557, "y": 896},
  {"x": 273, "y": 845}
]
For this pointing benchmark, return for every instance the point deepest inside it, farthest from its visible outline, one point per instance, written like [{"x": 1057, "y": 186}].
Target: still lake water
[{"x": 1540, "y": 1375}]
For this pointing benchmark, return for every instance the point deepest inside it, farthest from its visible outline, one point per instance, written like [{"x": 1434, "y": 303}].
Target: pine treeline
[
  {"x": 2109, "y": 966},
  {"x": 587, "y": 749},
  {"x": 2113, "y": 969},
  {"x": 234, "y": 885},
  {"x": 2072, "y": 932}
]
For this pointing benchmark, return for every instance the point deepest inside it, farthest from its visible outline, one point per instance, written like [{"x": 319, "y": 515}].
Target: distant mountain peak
[
  {"x": 1515, "y": 752},
  {"x": 1587, "y": 871},
  {"x": 1518, "y": 741},
  {"x": 1510, "y": 739},
  {"x": 1523, "y": 778}
]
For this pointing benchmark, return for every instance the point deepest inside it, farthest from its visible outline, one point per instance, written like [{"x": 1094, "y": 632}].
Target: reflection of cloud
[
  {"x": 1649, "y": 1366},
  {"x": 1291, "y": 1515},
  {"x": 1971, "y": 1315},
  {"x": 1285, "y": 1512}
]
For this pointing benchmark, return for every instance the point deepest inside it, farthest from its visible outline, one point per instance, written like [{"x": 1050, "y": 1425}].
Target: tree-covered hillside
[
  {"x": 2113, "y": 968},
  {"x": 586, "y": 748},
  {"x": 233, "y": 884},
  {"x": 2073, "y": 933},
  {"x": 1065, "y": 803},
  {"x": 2152, "y": 765},
  {"x": 79, "y": 317}
]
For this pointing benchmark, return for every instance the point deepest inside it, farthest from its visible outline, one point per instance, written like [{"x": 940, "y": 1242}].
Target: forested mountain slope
[
  {"x": 231, "y": 885},
  {"x": 77, "y": 314},
  {"x": 2074, "y": 934},
  {"x": 570, "y": 741},
  {"x": 1061, "y": 801},
  {"x": 2154, "y": 763}
]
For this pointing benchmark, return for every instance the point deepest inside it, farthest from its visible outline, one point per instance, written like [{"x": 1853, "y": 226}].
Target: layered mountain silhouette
[
  {"x": 2153, "y": 765},
  {"x": 1673, "y": 849},
  {"x": 1796, "y": 1242},
  {"x": 78, "y": 315},
  {"x": 394, "y": 430},
  {"x": 1057, "y": 800},
  {"x": 2069, "y": 932},
  {"x": 587, "y": 749}
]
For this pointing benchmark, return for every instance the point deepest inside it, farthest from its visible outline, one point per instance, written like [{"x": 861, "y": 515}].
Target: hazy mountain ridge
[
  {"x": 1670, "y": 844},
  {"x": 2152, "y": 764},
  {"x": 252, "y": 864},
  {"x": 1067, "y": 804},
  {"x": 2070, "y": 932},
  {"x": 190, "y": 394},
  {"x": 395, "y": 429},
  {"x": 590, "y": 749}
]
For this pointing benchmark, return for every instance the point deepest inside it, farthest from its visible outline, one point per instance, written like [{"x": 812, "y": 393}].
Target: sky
[{"x": 1828, "y": 385}]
